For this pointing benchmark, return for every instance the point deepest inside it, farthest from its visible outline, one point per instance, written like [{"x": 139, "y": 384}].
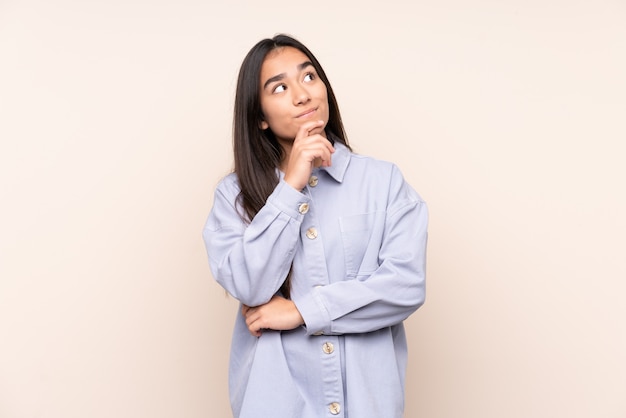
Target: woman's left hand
[{"x": 278, "y": 314}]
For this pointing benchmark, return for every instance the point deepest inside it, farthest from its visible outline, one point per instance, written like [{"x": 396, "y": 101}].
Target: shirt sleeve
[
  {"x": 390, "y": 294},
  {"x": 251, "y": 261}
]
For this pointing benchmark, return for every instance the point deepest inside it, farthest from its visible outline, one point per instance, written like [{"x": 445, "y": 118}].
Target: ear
[{"x": 263, "y": 125}]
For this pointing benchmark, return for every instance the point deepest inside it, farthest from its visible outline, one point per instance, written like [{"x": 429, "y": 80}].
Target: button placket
[{"x": 313, "y": 247}]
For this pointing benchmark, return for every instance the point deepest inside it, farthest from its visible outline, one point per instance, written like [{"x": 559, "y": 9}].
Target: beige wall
[{"x": 508, "y": 117}]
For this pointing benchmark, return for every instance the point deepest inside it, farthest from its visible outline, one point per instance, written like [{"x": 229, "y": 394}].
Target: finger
[
  {"x": 248, "y": 311},
  {"x": 254, "y": 328},
  {"x": 318, "y": 129},
  {"x": 307, "y": 127},
  {"x": 251, "y": 316},
  {"x": 323, "y": 154},
  {"x": 314, "y": 157},
  {"x": 317, "y": 145},
  {"x": 321, "y": 141}
]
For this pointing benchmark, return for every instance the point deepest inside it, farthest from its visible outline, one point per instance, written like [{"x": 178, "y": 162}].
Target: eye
[
  {"x": 279, "y": 88},
  {"x": 309, "y": 77}
]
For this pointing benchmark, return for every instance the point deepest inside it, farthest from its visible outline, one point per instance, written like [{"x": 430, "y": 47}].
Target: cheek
[
  {"x": 324, "y": 97},
  {"x": 272, "y": 110},
  {"x": 276, "y": 118}
]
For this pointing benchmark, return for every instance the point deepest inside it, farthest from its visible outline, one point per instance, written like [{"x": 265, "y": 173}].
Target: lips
[{"x": 307, "y": 113}]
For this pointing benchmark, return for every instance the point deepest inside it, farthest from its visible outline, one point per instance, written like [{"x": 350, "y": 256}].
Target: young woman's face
[{"x": 291, "y": 93}]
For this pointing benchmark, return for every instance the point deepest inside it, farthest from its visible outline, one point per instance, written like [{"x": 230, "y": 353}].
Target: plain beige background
[{"x": 508, "y": 117}]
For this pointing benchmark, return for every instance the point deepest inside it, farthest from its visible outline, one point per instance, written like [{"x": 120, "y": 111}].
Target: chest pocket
[{"x": 362, "y": 237}]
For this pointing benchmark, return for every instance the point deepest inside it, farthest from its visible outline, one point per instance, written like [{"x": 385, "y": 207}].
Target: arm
[
  {"x": 392, "y": 292},
  {"x": 279, "y": 314},
  {"x": 252, "y": 261}
]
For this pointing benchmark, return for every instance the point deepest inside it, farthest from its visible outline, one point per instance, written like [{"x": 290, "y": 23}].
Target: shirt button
[
  {"x": 328, "y": 347},
  {"x": 335, "y": 408},
  {"x": 303, "y": 208},
  {"x": 311, "y": 233},
  {"x": 313, "y": 181}
]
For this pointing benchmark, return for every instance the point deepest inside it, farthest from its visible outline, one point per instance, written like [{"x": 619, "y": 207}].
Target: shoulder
[
  {"x": 380, "y": 175},
  {"x": 370, "y": 162},
  {"x": 225, "y": 210},
  {"x": 374, "y": 168},
  {"x": 228, "y": 185}
]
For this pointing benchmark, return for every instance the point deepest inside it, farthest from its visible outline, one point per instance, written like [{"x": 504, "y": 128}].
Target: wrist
[{"x": 296, "y": 185}]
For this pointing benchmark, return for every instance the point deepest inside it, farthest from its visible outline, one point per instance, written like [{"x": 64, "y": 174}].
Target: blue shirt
[{"x": 356, "y": 235}]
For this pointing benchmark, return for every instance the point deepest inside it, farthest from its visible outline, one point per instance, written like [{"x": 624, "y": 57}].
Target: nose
[{"x": 300, "y": 95}]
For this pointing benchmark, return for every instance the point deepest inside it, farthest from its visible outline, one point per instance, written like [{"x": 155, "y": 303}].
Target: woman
[{"x": 325, "y": 250}]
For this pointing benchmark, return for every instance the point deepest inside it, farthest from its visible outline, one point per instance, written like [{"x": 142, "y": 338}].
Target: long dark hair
[{"x": 257, "y": 152}]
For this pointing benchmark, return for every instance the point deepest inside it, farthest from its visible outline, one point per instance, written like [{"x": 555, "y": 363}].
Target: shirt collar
[{"x": 340, "y": 160}]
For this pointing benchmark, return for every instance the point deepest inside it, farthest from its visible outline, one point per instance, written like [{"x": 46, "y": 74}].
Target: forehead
[{"x": 283, "y": 60}]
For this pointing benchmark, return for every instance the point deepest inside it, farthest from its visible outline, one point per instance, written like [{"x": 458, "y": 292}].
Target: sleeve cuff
[
  {"x": 287, "y": 200},
  {"x": 315, "y": 315}
]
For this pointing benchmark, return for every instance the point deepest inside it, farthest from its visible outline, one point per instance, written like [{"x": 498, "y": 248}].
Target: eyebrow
[{"x": 282, "y": 75}]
